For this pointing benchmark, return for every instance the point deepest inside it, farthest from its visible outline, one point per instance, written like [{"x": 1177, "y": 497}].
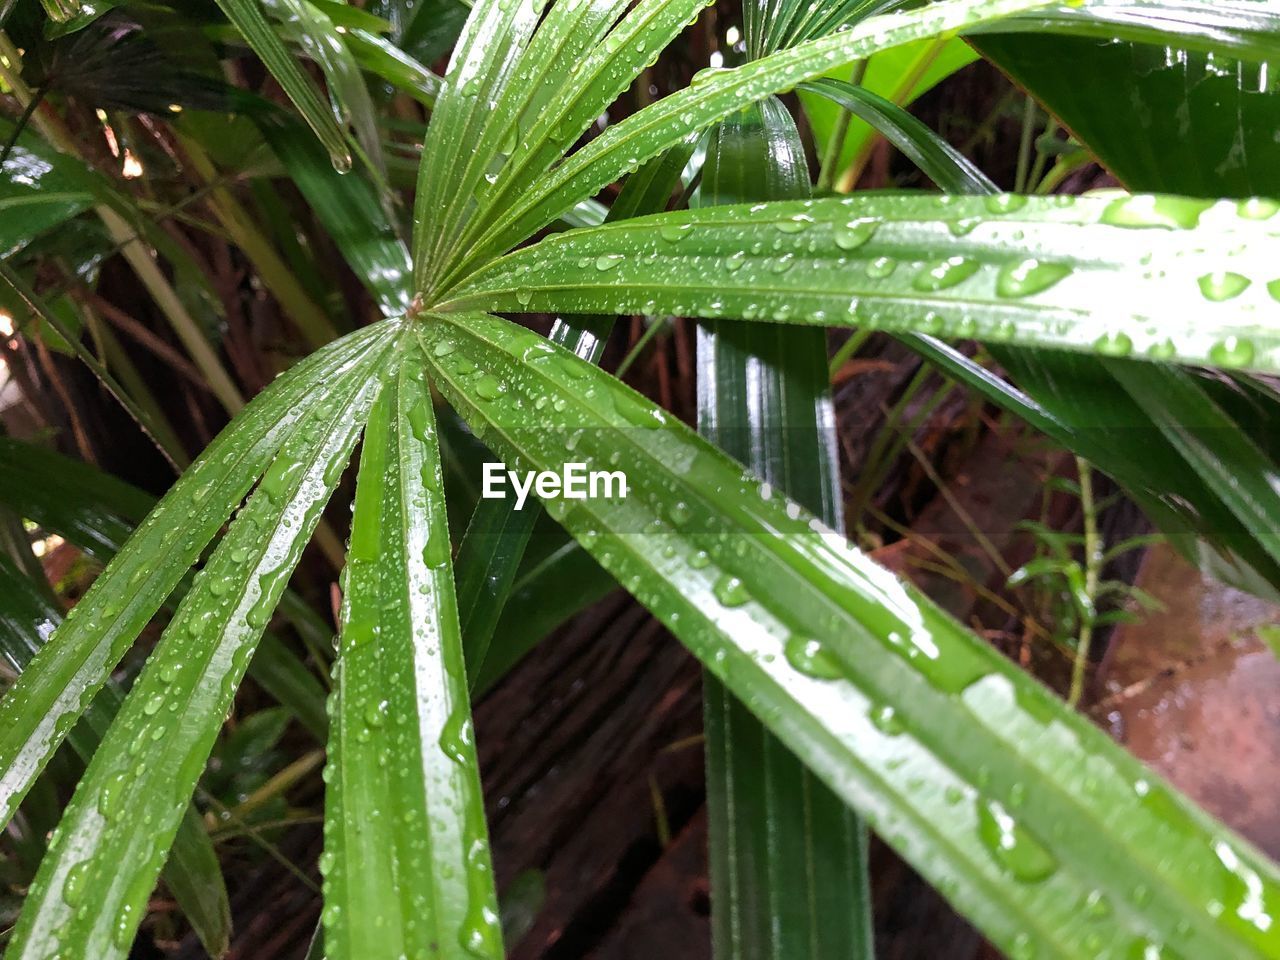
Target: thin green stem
[
  {"x": 656, "y": 327},
  {"x": 1061, "y": 170},
  {"x": 1025, "y": 145},
  {"x": 1092, "y": 572},
  {"x": 848, "y": 349},
  {"x": 1042, "y": 157},
  {"x": 254, "y": 834},
  {"x": 835, "y": 145}
]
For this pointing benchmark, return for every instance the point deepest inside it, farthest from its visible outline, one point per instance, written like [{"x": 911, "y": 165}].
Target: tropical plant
[{"x": 1138, "y": 330}]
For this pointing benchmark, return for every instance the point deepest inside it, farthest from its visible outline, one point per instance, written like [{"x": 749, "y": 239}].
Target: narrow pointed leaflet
[
  {"x": 1027, "y": 816},
  {"x": 788, "y": 858},
  {"x": 154, "y": 752},
  {"x": 44, "y": 703},
  {"x": 406, "y": 858},
  {"x": 1111, "y": 276}
]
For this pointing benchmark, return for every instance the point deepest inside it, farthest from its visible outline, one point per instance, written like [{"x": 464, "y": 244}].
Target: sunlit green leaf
[
  {"x": 900, "y": 76},
  {"x": 715, "y": 95}
]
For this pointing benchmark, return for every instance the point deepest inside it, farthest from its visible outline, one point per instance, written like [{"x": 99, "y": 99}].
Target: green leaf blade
[
  {"x": 1238, "y": 28},
  {"x": 497, "y": 535},
  {"x": 192, "y": 871},
  {"x": 663, "y": 124},
  {"x": 940, "y": 162},
  {"x": 406, "y": 858},
  {"x": 97, "y": 512},
  {"x": 900, "y": 76},
  {"x": 249, "y": 19},
  {"x": 741, "y": 575},
  {"x": 1107, "y": 276},
  {"x": 42, "y": 706},
  {"x": 482, "y": 66},
  {"x": 555, "y": 122},
  {"x": 178, "y": 704},
  {"x": 788, "y": 857},
  {"x": 39, "y": 190}
]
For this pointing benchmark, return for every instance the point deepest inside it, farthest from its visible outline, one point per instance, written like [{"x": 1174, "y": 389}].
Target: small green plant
[
  {"x": 1074, "y": 599},
  {"x": 834, "y": 688}
]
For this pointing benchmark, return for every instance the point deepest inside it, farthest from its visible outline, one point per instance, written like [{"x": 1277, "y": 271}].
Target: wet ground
[{"x": 1194, "y": 691}]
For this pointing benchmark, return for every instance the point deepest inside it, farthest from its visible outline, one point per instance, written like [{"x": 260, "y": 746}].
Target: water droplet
[
  {"x": 608, "y": 261},
  {"x": 1246, "y": 894},
  {"x": 811, "y": 658},
  {"x": 730, "y": 591},
  {"x": 1145, "y": 210},
  {"x": 479, "y": 934},
  {"x": 671, "y": 232},
  {"x": 855, "y": 233},
  {"x": 436, "y": 551},
  {"x": 796, "y": 224},
  {"x": 1097, "y": 905},
  {"x": 1115, "y": 344},
  {"x": 1232, "y": 352},
  {"x": 1024, "y": 948},
  {"x": 488, "y": 387},
  {"x": 1258, "y": 208},
  {"x": 73, "y": 888},
  {"x": 1144, "y": 949},
  {"x": 945, "y": 274},
  {"x": 1027, "y": 277},
  {"x": 1223, "y": 285},
  {"x": 705, "y": 74},
  {"x": 881, "y": 267},
  {"x": 456, "y": 739},
  {"x": 636, "y": 410},
  {"x": 111, "y": 796},
  {"x": 341, "y": 161},
  {"x": 885, "y": 719},
  {"x": 1005, "y": 203},
  {"x": 1011, "y": 845},
  {"x": 125, "y": 924},
  {"x": 443, "y": 348}
]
